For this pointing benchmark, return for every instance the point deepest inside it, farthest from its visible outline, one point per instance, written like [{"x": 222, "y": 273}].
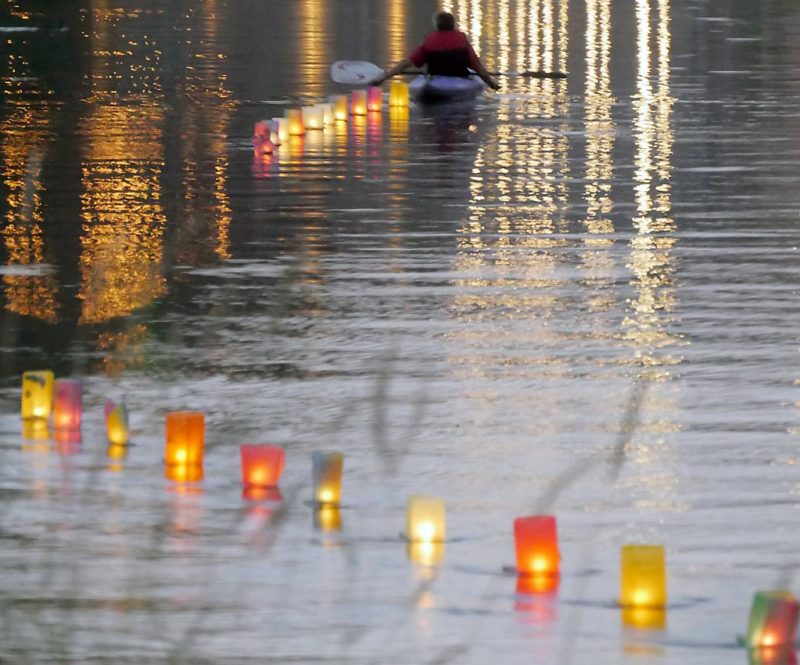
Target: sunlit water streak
[{"x": 465, "y": 303}]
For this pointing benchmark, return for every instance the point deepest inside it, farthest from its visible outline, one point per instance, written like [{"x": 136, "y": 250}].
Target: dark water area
[{"x": 573, "y": 296}]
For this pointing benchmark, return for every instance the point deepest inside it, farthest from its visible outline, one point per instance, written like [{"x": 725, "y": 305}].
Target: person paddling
[{"x": 445, "y": 52}]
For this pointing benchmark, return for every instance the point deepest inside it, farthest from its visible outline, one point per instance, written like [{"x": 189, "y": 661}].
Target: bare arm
[
  {"x": 477, "y": 66},
  {"x": 401, "y": 66}
]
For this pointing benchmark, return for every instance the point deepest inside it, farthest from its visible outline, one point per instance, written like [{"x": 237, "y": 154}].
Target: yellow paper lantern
[
  {"x": 358, "y": 102},
  {"x": 117, "y": 423},
  {"x": 312, "y": 117},
  {"x": 37, "y": 394},
  {"x": 340, "y": 108},
  {"x": 425, "y": 519},
  {"x": 643, "y": 579},
  {"x": 185, "y": 439},
  {"x": 426, "y": 553},
  {"x": 398, "y": 94},
  {"x": 295, "y": 119},
  {"x": 327, "y": 478}
]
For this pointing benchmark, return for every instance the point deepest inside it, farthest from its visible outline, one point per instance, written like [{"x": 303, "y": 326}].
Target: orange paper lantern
[
  {"x": 295, "y": 119},
  {"x": 536, "y": 542},
  {"x": 262, "y": 465},
  {"x": 358, "y": 102},
  {"x": 185, "y": 439},
  {"x": 67, "y": 405}
]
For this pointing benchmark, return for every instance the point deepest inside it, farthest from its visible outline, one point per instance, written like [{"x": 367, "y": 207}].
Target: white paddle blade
[{"x": 354, "y": 72}]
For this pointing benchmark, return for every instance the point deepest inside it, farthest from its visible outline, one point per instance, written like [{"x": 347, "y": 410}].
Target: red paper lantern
[
  {"x": 262, "y": 465},
  {"x": 536, "y": 543},
  {"x": 68, "y": 405}
]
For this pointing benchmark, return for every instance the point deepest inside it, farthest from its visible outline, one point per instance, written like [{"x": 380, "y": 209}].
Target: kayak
[{"x": 433, "y": 89}]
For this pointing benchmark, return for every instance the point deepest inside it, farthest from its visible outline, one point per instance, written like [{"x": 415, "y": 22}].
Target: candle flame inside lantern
[{"x": 773, "y": 620}]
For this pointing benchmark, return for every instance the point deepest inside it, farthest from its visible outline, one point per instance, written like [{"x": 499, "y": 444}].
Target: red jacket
[{"x": 446, "y": 53}]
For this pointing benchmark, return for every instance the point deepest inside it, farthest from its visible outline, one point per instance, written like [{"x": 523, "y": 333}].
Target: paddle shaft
[{"x": 533, "y": 75}]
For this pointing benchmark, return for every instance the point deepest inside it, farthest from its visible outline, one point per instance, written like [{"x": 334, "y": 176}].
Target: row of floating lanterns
[
  {"x": 268, "y": 134},
  {"x": 773, "y": 619}
]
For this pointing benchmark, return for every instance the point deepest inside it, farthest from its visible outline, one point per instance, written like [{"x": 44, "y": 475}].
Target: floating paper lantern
[
  {"x": 117, "y": 423},
  {"x": 328, "y": 518},
  {"x": 312, "y": 117},
  {"x": 773, "y": 620},
  {"x": 398, "y": 94},
  {"x": 536, "y": 543},
  {"x": 181, "y": 473},
  {"x": 643, "y": 579},
  {"x": 262, "y": 465},
  {"x": 340, "y": 108},
  {"x": 262, "y": 146},
  {"x": 262, "y": 130},
  {"x": 374, "y": 98},
  {"x": 426, "y": 553},
  {"x": 67, "y": 404},
  {"x": 185, "y": 439},
  {"x": 644, "y": 618},
  {"x": 327, "y": 114},
  {"x": 280, "y": 131},
  {"x": 425, "y": 519},
  {"x": 294, "y": 118},
  {"x": 37, "y": 394},
  {"x": 327, "y": 478},
  {"x": 358, "y": 102}
]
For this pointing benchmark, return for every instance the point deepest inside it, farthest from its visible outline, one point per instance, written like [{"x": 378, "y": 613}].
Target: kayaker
[{"x": 445, "y": 52}]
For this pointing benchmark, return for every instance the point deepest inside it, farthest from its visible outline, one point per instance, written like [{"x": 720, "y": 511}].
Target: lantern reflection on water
[
  {"x": 37, "y": 394},
  {"x": 426, "y": 553},
  {"x": 262, "y": 465},
  {"x": 644, "y": 618},
  {"x": 643, "y": 579},
  {"x": 425, "y": 519},
  {"x": 327, "y": 478},
  {"x": 67, "y": 405}
]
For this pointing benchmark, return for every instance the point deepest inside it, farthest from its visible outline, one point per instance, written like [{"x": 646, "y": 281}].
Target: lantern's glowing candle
[
  {"x": 262, "y": 465},
  {"x": 294, "y": 118},
  {"x": 398, "y": 94},
  {"x": 117, "y": 423},
  {"x": 643, "y": 579},
  {"x": 37, "y": 394},
  {"x": 536, "y": 544},
  {"x": 185, "y": 438},
  {"x": 67, "y": 404},
  {"x": 280, "y": 131},
  {"x": 773, "y": 620},
  {"x": 327, "y": 477},
  {"x": 426, "y": 553},
  {"x": 340, "y": 108},
  {"x": 358, "y": 102},
  {"x": 180, "y": 473},
  {"x": 425, "y": 519},
  {"x": 374, "y": 98},
  {"x": 312, "y": 117}
]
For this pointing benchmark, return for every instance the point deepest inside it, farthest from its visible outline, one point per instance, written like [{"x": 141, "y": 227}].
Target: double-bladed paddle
[{"x": 360, "y": 72}]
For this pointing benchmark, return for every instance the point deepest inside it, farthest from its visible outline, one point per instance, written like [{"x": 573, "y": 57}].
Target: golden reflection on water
[
  {"x": 313, "y": 55},
  {"x": 396, "y": 25},
  {"x": 25, "y": 133},
  {"x": 123, "y": 161}
]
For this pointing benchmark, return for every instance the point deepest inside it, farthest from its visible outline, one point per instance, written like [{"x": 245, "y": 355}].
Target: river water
[{"x": 573, "y": 297}]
